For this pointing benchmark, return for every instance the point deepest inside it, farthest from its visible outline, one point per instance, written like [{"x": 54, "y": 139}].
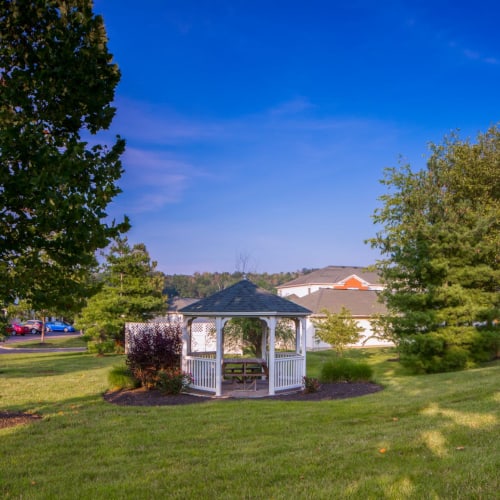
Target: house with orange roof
[{"x": 332, "y": 288}]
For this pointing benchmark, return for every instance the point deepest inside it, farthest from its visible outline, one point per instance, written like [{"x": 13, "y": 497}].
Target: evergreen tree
[
  {"x": 131, "y": 292},
  {"x": 440, "y": 238}
]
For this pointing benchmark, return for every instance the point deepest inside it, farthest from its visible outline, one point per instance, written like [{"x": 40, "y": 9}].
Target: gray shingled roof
[
  {"x": 359, "y": 302},
  {"x": 244, "y": 298},
  {"x": 177, "y": 303},
  {"x": 333, "y": 274}
]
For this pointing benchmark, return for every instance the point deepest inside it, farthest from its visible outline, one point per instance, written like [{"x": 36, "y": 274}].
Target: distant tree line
[{"x": 200, "y": 285}]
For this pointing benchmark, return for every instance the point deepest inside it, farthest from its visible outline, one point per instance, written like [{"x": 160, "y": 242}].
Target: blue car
[{"x": 59, "y": 326}]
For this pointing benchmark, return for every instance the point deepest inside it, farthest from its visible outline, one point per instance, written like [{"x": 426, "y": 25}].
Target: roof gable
[
  {"x": 352, "y": 282},
  {"x": 334, "y": 275}
]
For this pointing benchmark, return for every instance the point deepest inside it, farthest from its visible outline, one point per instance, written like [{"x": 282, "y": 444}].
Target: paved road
[{"x": 31, "y": 338}]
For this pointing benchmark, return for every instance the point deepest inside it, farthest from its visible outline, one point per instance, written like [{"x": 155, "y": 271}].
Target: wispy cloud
[
  {"x": 156, "y": 178},
  {"x": 447, "y": 35},
  {"x": 477, "y": 56},
  {"x": 160, "y": 173},
  {"x": 292, "y": 107},
  {"x": 160, "y": 125}
]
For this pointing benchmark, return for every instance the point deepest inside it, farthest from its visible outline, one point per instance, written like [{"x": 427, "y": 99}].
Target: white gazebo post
[
  {"x": 271, "y": 364},
  {"x": 219, "y": 353},
  {"x": 297, "y": 336},
  {"x": 186, "y": 327},
  {"x": 263, "y": 345},
  {"x": 303, "y": 324}
]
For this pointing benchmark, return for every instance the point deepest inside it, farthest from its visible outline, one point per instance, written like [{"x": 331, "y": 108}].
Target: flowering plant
[
  {"x": 311, "y": 385},
  {"x": 173, "y": 381}
]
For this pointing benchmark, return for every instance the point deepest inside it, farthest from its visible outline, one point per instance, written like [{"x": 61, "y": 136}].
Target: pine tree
[
  {"x": 440, "y": 240},
  {"x": 131, "y": 292}
]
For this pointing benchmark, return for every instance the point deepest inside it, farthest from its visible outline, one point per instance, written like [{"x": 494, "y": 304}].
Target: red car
[{"x": 18, "y": 329}]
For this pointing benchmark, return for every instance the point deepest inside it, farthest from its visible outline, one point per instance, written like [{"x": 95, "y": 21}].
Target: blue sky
[{"x": 260, "y": 129}]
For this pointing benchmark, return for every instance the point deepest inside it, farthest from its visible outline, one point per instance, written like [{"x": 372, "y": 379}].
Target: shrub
[
  {"x": 449, "y": 349},
  {"x": 101, "y": 347},
  {"x": 154, "y": 349},
  {"x": 120, "y": 377},
  {"x": 173, "y": 381},
  {"x": 311, "y": 385},
  {"x": 346, "y": 370}
]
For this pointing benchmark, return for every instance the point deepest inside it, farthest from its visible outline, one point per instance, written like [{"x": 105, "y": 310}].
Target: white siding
[
  {"x": 313, "y": 344},
  {"x": 301, "y": 290}
]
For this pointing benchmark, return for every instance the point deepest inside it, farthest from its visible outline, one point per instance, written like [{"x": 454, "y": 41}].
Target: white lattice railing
[
  {"x": 288, "y": 371},
  {"x": 202, "y": 371}
]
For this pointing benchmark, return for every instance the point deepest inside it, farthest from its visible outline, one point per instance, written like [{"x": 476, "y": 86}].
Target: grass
[
  {"x": 50, "y": 342},
  {"x": 432, "y": 436}
]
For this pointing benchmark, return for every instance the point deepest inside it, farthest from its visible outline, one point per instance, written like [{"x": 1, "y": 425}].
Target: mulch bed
[
  {"x": 142, "y": 397},
  {"x": 13, "y": 418}
]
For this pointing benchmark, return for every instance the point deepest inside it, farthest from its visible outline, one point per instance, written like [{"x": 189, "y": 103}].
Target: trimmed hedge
[{"x": 346, "y": 370}]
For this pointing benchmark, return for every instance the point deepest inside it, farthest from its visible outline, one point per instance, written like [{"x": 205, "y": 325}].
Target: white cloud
[{"x": 155, "y": 178}]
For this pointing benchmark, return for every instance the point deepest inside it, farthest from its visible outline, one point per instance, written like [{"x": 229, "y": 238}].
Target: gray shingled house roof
[
  {"x": 177, "y": 303},
  {"x": 333, "y": 274},
  {"x": 359, "y": 302},
  {"x": 244, "y": 298}
]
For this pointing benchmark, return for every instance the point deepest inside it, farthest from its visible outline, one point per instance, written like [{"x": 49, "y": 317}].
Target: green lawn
[
  {"x": 49, "y": 342},
  {"x": 425, "y": 437}
]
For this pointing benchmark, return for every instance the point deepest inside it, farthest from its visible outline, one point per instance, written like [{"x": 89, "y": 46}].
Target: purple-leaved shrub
[{"x": 154, "y": 349}]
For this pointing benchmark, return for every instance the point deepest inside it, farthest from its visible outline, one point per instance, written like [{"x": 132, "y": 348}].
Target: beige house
[{"x": 332, "y": 288}]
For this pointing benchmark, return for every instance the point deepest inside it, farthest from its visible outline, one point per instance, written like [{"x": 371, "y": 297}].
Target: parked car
[
  {"x": 19, "y": 329},
  {"x": 59, "y": 326},
  {"x": 34, "y": 325}
]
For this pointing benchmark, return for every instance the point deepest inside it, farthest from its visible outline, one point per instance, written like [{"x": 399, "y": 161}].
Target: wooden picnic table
[{"x": 245, "y": 370}]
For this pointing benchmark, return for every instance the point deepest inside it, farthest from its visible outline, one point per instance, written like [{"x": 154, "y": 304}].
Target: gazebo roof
[{"x": 244, "y": 299}]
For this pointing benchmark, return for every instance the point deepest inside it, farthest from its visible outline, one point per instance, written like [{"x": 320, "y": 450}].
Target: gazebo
[{"x": 285, "y": 369}]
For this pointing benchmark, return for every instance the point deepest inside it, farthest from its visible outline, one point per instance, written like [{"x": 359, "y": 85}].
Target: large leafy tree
[
  {"x": 440, "y": 240},
  {"x": 131, "y": 291},
  {"x": 57, "y": 82}
]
